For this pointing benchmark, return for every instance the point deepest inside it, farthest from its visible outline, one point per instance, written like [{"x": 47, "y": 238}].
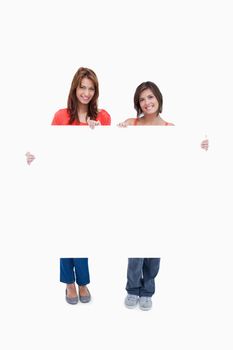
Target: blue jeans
[
  {"x": 140, "y": 276},
  {"x": 74, "y": 270}
]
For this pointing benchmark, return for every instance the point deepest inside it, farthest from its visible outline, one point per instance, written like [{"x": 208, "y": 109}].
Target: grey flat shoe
[
  {"x": 86, "y": 298},
  {"x": 71, "y": 301},
  {"x": 145, "y": 303},
  {"x": 131, "y": 301}
]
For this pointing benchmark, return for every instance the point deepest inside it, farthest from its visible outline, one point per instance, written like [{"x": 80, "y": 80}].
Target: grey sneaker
[
  {"x": 131, "y": 301},
  {"x": 71, "y": 301},
  {"x": 145, "y": 303},
  {"x": 86, "y": 298}
]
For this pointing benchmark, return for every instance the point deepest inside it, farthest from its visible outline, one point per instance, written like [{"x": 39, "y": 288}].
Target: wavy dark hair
[
  {"x": 156, "y": 92},
  {"x": 72, "y": 103}
]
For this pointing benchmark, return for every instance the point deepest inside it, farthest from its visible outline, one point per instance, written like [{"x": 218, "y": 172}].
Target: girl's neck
[
  {"x": 82, "y": 109},
  {"x": 82, "y": 113}
]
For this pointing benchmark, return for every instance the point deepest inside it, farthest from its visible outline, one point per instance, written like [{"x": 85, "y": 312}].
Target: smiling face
[
  {"x": 85, "y": 91},
  {"x": 148, "y": 102}
]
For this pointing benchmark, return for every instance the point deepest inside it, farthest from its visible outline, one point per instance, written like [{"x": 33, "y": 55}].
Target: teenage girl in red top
[
  {"x": 82, "y": 108},
  {"x": 148, "y": 102}
]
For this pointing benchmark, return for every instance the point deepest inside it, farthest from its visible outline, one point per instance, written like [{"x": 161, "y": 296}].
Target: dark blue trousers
[
  {"x": 74, "y": 270},
  {"x": 141, "y": 275}
]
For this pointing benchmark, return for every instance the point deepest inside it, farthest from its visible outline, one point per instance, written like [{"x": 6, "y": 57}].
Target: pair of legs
[
  {"x": 140, "y": 286},
  {"x": 75, "y": 270}
]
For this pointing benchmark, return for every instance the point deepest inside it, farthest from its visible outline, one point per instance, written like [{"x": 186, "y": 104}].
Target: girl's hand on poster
[
  {"x": 92, "y": 123},
  {"x": 122, "y": 125},
  {"x": 205, "y": 144},
  {"x": 29, "y": 157}
]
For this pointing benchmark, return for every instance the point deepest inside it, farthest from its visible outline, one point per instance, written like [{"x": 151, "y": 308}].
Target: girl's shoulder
[
  {"x": 131, "y": 121},
  {"x": 104, "y": 117},
  {"x": 61, "y": 117}
]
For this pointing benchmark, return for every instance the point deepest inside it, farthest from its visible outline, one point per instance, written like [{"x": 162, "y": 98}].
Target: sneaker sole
[{"x": 145, "y": 308}]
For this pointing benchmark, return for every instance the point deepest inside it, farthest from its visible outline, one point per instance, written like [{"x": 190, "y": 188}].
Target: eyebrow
[
  {"x": 91, "y": 87},
  {"x": 149, "y": 95}
]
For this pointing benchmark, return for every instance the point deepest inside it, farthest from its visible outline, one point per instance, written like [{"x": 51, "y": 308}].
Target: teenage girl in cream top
[{"x": 148, "y": 102}]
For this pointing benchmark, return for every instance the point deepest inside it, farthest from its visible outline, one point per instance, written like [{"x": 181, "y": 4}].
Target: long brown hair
[
  {"x": 72, "y": 103},
  {"x": 156, "y": 92}
]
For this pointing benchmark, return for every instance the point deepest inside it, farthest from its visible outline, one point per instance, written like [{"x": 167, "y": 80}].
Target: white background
[{"x": 110, "y": 193}]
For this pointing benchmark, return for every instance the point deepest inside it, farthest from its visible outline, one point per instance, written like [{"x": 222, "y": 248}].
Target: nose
[{"x": 86, "y": 93}]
